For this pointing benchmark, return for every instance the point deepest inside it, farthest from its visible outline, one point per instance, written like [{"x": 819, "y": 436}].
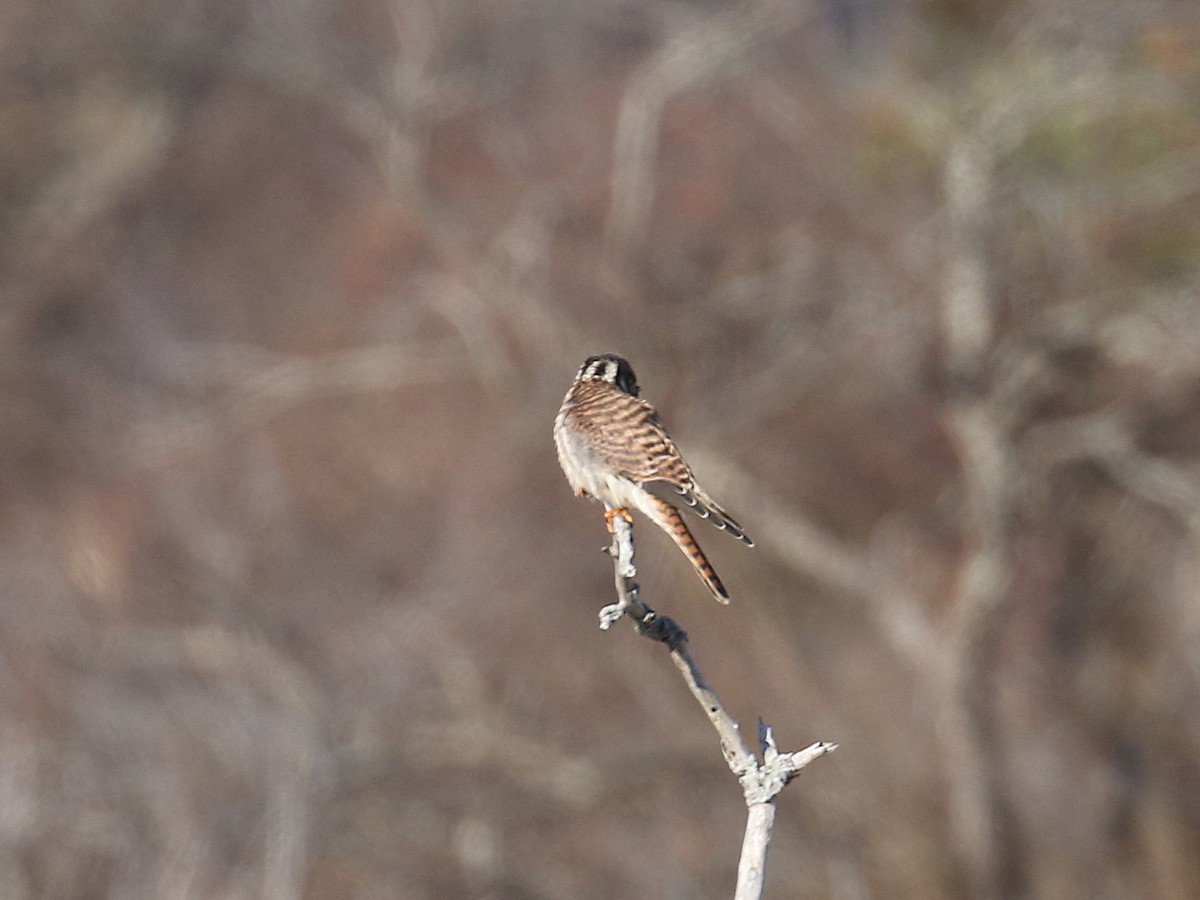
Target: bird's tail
[
  {"x": 668, "y": 518},
  {"x": 706, "y": 508}
]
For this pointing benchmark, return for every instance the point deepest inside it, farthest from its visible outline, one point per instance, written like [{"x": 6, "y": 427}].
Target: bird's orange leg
[{"x": 610, "y": 514}]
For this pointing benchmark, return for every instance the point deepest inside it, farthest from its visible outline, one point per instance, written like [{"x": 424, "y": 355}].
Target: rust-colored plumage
[{"x": 612, "y": 446}]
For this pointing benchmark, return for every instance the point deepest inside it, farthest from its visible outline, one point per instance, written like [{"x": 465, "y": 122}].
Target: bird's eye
[{"x": 626, "y": 381}]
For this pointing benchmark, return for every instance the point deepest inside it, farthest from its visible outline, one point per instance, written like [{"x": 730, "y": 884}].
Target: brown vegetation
[{"x": 296, "y": 602}]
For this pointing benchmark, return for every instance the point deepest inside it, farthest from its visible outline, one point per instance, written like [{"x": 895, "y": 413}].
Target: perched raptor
[{"x": 613, "y": 447}]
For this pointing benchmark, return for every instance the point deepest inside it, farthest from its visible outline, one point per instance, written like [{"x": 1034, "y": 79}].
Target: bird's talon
[{"x": 610, "y": 514}]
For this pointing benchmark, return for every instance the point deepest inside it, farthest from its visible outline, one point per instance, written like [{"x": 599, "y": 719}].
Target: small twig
[{"x": 761, "y": 781}]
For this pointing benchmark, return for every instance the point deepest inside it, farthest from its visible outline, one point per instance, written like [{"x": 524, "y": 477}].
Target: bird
[{"x": 613, "y": 447}]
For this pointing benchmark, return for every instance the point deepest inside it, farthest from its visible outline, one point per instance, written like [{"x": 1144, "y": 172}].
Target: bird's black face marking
[{"x": 611, "y": 368}]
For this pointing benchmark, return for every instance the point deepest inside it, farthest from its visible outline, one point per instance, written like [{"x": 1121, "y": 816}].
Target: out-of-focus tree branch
[
  {"x": 254, "y": 385},
  {"x": 813, "y": 552},
  {"x": 978, "y": 429},
  {"x": 687, "y": 58},
  {"x": 1104, "y": 438}
]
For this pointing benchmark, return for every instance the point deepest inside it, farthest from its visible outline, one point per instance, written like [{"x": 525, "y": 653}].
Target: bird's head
[{"x": 610, "y": 368}]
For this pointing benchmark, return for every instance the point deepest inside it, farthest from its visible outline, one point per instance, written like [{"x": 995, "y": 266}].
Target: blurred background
[{"x": 295, "y": 600}]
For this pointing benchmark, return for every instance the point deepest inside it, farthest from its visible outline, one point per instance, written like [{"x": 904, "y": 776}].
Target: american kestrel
[{"x": 613, "y": 447}]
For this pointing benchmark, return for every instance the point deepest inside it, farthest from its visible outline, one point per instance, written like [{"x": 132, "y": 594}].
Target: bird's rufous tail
[{"x": 669, "y": 519}]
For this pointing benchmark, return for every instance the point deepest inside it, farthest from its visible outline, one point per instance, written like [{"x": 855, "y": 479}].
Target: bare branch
[{"x": 761, "y": 781}]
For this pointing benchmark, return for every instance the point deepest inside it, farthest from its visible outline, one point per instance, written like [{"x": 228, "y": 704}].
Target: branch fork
[{"x": 762, "y": 779}]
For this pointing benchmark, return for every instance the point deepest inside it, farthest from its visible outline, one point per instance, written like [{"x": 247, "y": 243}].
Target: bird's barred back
[{"x": 626, "y": 433}]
